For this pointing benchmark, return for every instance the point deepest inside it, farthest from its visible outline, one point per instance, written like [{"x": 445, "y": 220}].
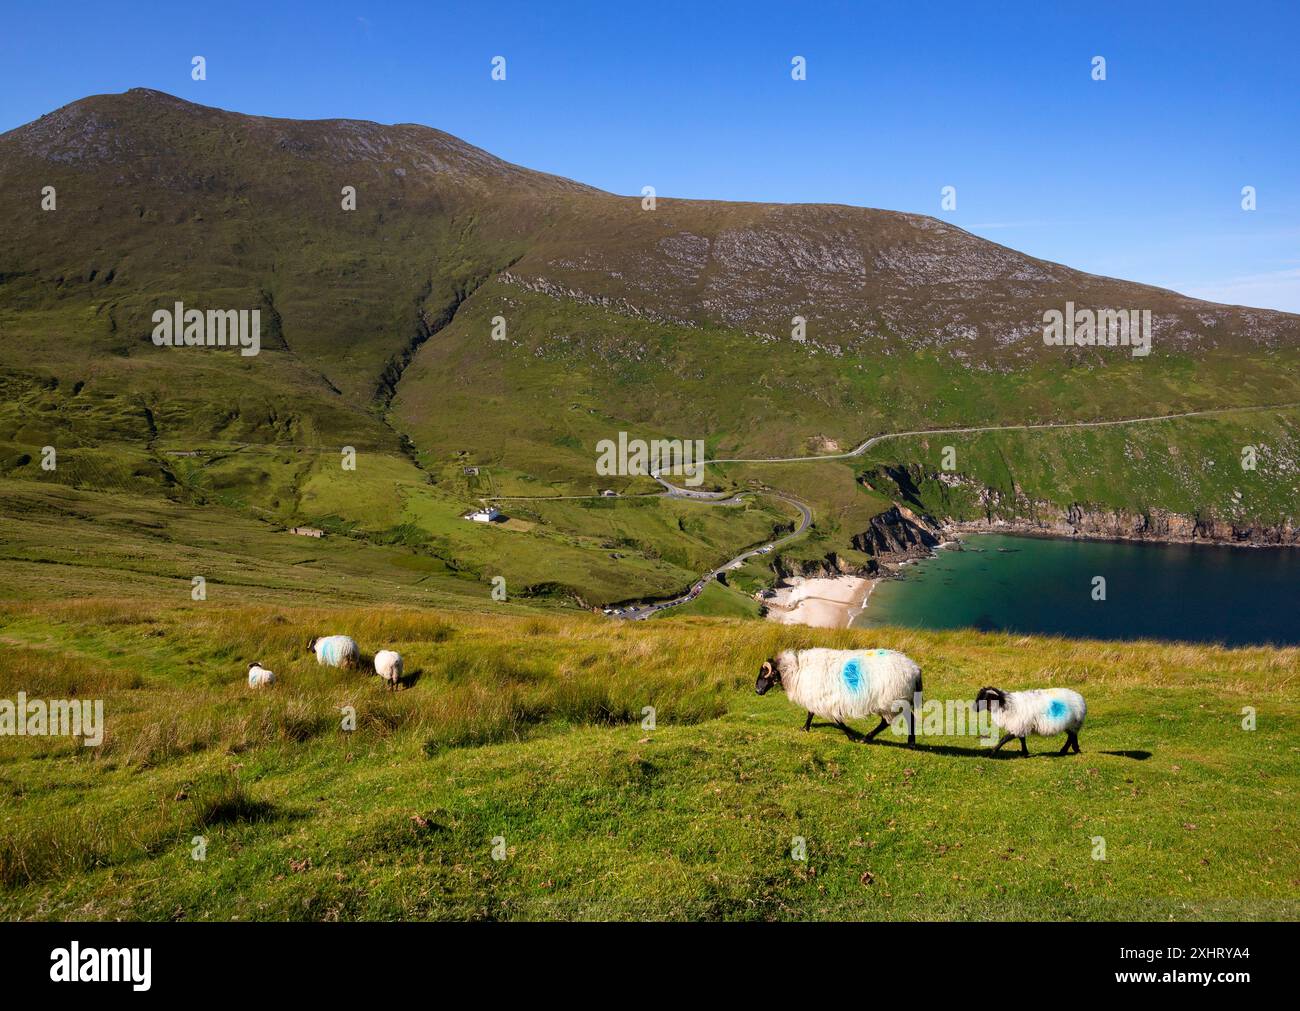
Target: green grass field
[
  {"x": 523, "y": 717},
  {"x": 528, "y": 730}
]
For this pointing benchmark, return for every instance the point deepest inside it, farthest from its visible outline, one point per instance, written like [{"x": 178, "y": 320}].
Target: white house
[{"x": 488, "y": 515}]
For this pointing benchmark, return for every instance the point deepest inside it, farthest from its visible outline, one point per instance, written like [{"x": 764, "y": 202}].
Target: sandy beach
[{"x": 820, "y": 603}]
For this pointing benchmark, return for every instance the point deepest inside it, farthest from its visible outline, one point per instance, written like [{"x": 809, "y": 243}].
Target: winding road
[{"x": 640, "y": 612}]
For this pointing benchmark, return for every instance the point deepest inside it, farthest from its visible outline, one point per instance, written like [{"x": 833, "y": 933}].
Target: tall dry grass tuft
[{"x": 47, "y": 672}]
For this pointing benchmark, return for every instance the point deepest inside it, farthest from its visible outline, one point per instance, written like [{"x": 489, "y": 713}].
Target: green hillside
[{"x": 379, "y": 330}]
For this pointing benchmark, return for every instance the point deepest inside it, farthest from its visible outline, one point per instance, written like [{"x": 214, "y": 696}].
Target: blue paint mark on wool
[
  {"x": 852, "y": 674},
  {"x": 1058, "y": 710},
  {"x": 334, "y": 650}
]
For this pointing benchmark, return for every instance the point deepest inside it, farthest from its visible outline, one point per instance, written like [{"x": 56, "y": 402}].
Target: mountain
[{"x": 378, "y": 330}]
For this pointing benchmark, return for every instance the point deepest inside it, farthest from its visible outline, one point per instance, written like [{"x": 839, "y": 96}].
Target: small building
[
  {"x": 471, "y": 471},
  {"x": 487, "y": 515},
  {"x": 609, "y": 493},
  {"x": 307, "y": 532}
]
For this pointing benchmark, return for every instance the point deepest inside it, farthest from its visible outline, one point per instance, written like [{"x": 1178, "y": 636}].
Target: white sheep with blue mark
[
  {"x": 336, "y": 651},
  {"x": 1042, "y": 711},
  {"x": 388, "y": 665},
  {"x": 259, "y": 676},
  {"x": 846, "y": 684}
]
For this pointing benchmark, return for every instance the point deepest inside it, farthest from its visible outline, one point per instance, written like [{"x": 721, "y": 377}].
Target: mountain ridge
[
  {"x": 473, "y": 315},
  {"x": 850, "y": 271}
]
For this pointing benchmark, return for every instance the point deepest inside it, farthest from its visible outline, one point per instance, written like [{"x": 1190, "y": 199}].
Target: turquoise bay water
[{"x": 1193, "y": 593}]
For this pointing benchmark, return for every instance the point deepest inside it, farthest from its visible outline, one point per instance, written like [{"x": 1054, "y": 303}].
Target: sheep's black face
[
  {"x": 987, "y": 698},
  {"x": 767, "y": 677}
]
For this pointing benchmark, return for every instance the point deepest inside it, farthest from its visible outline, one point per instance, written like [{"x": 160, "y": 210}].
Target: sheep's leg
[
  {"x": 1074, "y": 739},
  {"x": 1065, "y": 748},
  {"x": 1005, "y": 738},
  {"x": 883, "y": 724},
  {"x": 807, "y": 724},
  {"x": 1024, "y": 748}
]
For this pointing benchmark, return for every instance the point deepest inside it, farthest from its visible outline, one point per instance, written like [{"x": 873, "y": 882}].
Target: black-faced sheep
[
  {"x": 259, "y": 675},
  {"x": 846, "y": 684},
  {"x": 336, "y": 651},
  {"x": 1042, "y": 711}
]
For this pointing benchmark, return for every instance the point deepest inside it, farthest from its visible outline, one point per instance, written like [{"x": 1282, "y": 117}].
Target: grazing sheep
[
  {"x": 336, "y": 650},
  {"x": 388, "y": 665},
  {"x": 1042, "y": 711},
  {"x": 844, "y": 684},
  {"x": 259, "y": 675}
]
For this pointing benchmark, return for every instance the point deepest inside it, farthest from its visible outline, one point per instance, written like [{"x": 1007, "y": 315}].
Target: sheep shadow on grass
[
  {"x": 956, "y": 751},
  {"x": 409, "y": 680}
]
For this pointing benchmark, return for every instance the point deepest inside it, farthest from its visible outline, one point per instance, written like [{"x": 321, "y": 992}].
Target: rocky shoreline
[
  {"x": 1156, "y": 527},
  {"x": 899, "y": 535}
]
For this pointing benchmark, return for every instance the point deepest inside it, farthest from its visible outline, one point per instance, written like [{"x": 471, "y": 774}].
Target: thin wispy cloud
[{"x": 1275, "y": 289}]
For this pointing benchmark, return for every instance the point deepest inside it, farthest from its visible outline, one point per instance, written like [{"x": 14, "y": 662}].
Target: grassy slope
[
  {"x": 572, "y": 374},
  {"x": 1190, "y": 466},
  {"x": 529, "y": 728},
  {"x": 77, "y": 539}
]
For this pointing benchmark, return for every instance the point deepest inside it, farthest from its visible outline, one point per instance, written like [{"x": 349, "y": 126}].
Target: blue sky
[{"x": 1138, "y": 176}]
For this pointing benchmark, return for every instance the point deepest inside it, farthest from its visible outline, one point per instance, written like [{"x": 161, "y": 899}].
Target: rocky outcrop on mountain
[{"x": 896, "y": 535}]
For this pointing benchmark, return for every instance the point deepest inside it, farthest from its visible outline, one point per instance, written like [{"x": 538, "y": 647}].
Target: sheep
[
  {"x": 335, "y": 650},
  {"x": 388, "y": 665},
  {"x": 1042, "y": 711},
  {"x": 843, "y": 684},
  {"x": 259, "y": 675}
]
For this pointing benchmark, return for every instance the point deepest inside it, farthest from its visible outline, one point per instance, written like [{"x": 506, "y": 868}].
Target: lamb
[
  {"x": 1042, "y": 711},
  {"x": 336, "y": 651},
  {"x": 258, "y": 676},
  {"x": 388, "y": 665},
  {"x": 844, "y": 684}
]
